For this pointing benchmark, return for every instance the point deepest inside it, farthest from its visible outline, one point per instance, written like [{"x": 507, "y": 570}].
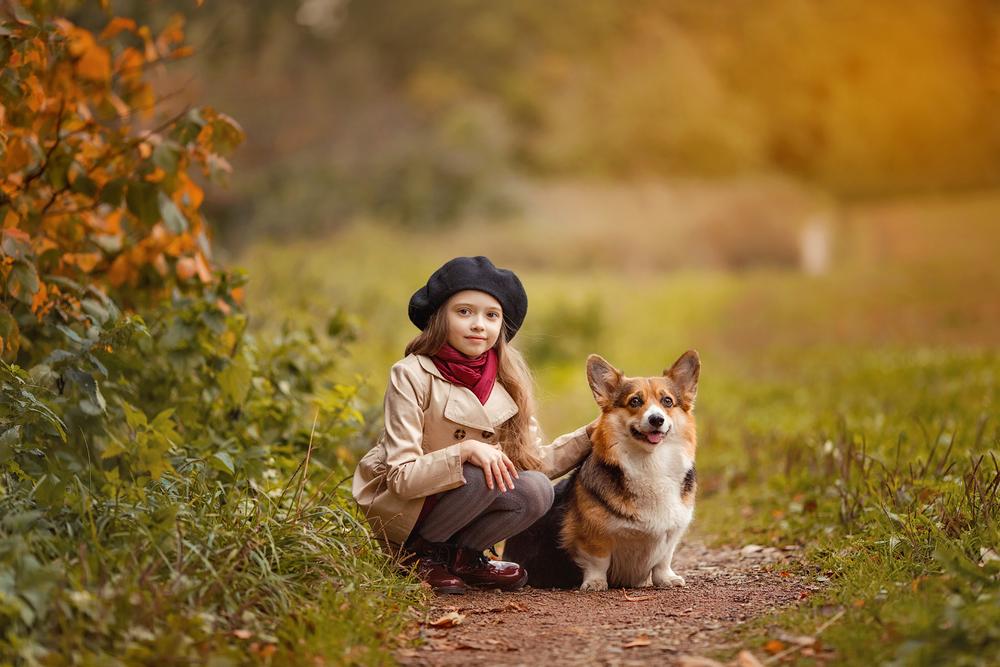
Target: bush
[{"x": 168, "y": 484}]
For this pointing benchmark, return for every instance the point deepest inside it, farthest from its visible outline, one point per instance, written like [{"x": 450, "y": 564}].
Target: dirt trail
[{"x": 725, "y": 587}]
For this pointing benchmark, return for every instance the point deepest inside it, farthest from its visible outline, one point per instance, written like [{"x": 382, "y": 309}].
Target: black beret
[{"x": 477, "y": 273}]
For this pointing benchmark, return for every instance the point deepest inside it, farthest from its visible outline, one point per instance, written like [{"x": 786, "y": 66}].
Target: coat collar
[{"x": 464, "y": 408}]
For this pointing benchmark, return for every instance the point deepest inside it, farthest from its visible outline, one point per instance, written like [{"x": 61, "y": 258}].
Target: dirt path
[{"x": 725, "y": 587}]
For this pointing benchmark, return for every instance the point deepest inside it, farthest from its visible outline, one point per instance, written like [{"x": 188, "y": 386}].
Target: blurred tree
[{"x": 417, "y": 111}]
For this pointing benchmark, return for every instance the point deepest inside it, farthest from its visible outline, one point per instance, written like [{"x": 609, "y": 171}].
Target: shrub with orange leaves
[{"x": 96, "y": 191}]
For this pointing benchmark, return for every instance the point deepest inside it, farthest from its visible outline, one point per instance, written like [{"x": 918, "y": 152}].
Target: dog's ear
[
  {"x": 684, "y": 374},
  {"x": 604, "y": 380}
]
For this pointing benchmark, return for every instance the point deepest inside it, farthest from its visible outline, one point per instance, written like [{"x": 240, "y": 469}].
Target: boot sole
[{"x": 506, "y": 588}]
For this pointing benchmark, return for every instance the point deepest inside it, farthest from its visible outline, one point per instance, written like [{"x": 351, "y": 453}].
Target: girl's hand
[{"x": 495, "y": 464}]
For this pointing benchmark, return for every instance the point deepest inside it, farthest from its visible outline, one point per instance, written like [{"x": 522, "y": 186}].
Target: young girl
[{"x": 459, "y": 465}]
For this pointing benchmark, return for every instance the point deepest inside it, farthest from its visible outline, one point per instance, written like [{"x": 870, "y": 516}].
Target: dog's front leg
[
  {"x": 595, "y": 570},
  {"x": 663, "y": 573}
]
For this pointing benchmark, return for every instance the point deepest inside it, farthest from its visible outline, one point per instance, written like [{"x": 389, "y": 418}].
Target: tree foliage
[{"x": 97, "y": 192}]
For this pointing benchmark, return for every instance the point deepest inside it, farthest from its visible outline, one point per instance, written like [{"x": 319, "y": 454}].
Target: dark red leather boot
[
  {"x": 431, "y": 565},
  {"x": 475, "y": 569}
]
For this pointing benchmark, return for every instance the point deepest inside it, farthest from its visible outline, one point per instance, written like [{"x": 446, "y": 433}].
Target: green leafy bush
[
  {"x": 156, "y": 494},
  {"x": 169, "y": 484}
]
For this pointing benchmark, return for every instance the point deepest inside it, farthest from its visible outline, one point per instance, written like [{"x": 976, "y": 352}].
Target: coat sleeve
[
  {"x": 410, "y": 473},
  {"x": 562, "y": 454}
]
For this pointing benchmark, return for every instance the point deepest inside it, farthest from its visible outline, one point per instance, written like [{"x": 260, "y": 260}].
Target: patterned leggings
[{"x": 477, "y": 517}]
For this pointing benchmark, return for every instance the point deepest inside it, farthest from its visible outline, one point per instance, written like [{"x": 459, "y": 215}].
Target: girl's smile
[{"x": 474, "y": 322}]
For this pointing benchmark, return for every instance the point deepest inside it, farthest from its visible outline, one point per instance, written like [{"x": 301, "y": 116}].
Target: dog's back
[{"x": 537, "y": 548}]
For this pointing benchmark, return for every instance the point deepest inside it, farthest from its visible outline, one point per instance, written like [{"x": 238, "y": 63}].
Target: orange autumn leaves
[{"x": 96, "y": 191}]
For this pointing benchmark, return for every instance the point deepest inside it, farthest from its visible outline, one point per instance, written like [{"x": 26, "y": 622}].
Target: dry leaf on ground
[
  {"x": 774, "y": 646},
  {"x": 641, "y": 640},
  {"x": 449, "y": 620},
  {"x": 638, "y": 598}
]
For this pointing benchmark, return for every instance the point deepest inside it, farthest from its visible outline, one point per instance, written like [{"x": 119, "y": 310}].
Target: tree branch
[{"x": 48, "y": 155}]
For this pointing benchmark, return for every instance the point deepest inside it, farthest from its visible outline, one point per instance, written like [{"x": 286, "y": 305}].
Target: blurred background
[{"x": 768, "y": 182}]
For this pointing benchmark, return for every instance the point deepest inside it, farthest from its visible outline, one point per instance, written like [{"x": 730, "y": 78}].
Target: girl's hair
[{"x": 514, "y": 435}]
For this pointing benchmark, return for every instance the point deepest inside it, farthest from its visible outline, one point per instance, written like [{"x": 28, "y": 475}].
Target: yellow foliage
[
  {"x": 75, "y": 178},
  {"x": 116, "y": 25}
]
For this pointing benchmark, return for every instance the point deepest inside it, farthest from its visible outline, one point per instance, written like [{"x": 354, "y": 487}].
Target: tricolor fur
[{"x": 618, "y": 519}]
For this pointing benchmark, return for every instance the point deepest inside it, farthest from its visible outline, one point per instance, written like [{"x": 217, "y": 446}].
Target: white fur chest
[{"x": 656, "y": 480}]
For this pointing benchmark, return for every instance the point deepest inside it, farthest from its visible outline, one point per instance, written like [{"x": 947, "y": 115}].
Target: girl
[{"x": 459, "y": 465}]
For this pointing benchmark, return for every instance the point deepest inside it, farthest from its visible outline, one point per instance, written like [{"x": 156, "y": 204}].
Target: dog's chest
[{"x": 656, "y": 483}]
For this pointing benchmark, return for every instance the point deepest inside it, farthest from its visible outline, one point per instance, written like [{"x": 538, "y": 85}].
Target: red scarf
[{"x": 477, "y": 374}]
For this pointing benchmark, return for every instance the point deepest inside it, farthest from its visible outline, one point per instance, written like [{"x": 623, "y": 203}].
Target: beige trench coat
[{"x": 427, "y": 418}]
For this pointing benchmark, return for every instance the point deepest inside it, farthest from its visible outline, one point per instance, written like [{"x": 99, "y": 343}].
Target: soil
[{"x": 724, "y": 589}]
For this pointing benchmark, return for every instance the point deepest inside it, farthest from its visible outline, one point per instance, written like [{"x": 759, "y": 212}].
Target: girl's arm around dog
[{"x": 565, "y": 452}]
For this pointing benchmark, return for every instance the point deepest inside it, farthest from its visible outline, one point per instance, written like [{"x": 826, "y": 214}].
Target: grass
[
  {"x": 214, "y": 575},
  {"x": 852, "y": 413}
]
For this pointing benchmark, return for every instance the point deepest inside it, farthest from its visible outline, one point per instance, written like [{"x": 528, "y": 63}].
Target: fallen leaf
[
  {"x": 638, "y": 598},
  {"x": 449, "y": 620},
  {"x": 774, "y": 646},
  {"x": 748, "y": 659},
  {"x": 641, "y": 640},
  {"x": 242, "y": 634}
]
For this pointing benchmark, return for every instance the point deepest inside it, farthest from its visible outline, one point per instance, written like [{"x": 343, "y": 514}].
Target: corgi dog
[{"x": 619, "y": 517}]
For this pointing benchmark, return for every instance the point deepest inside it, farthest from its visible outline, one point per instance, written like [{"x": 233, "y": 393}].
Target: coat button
[{"x": 460, "y": 434}]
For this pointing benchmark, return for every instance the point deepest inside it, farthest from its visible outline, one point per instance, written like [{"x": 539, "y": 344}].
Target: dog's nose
[{"x": 656, "y": 420}]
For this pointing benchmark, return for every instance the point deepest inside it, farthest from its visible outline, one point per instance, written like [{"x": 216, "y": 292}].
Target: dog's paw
[
  {"x": 594, "y": 585},
  {"x": 668, "y": 580}
]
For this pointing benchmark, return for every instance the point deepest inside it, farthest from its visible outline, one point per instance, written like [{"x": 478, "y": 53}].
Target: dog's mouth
[{"x": 652, "y": 437}]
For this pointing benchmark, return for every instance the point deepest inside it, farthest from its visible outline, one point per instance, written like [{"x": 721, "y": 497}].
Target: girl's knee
[
  {"x": 475, "y": 482},
  {"x": 537, "y": 491}
]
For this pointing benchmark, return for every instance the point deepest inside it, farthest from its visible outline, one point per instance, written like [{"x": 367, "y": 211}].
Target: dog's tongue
[{"x": 654, "y": 437}]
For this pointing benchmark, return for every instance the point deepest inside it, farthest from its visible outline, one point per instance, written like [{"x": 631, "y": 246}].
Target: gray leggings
[{"x": 477, "y": 517}]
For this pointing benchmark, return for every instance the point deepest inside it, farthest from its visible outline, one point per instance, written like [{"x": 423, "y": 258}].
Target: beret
[{"x": 476, "y": 273}]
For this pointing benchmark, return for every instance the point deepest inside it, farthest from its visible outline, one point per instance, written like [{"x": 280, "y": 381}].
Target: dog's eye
[
  {"x": 667, "y": 402},
  {"x": 634, "y": 402}
]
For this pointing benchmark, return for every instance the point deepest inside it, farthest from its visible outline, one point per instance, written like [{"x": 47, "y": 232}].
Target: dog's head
[{"x": 647, "y": 411}]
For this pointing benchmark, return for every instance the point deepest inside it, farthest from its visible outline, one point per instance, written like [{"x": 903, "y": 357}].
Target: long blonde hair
[{"x": 514, "y": 435}]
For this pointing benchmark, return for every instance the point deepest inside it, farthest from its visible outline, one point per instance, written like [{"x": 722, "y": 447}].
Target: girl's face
[{"x": 474, "y": 322}]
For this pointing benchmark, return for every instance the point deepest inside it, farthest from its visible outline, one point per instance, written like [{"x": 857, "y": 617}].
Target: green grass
[{"x": 853, "y": 413}]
